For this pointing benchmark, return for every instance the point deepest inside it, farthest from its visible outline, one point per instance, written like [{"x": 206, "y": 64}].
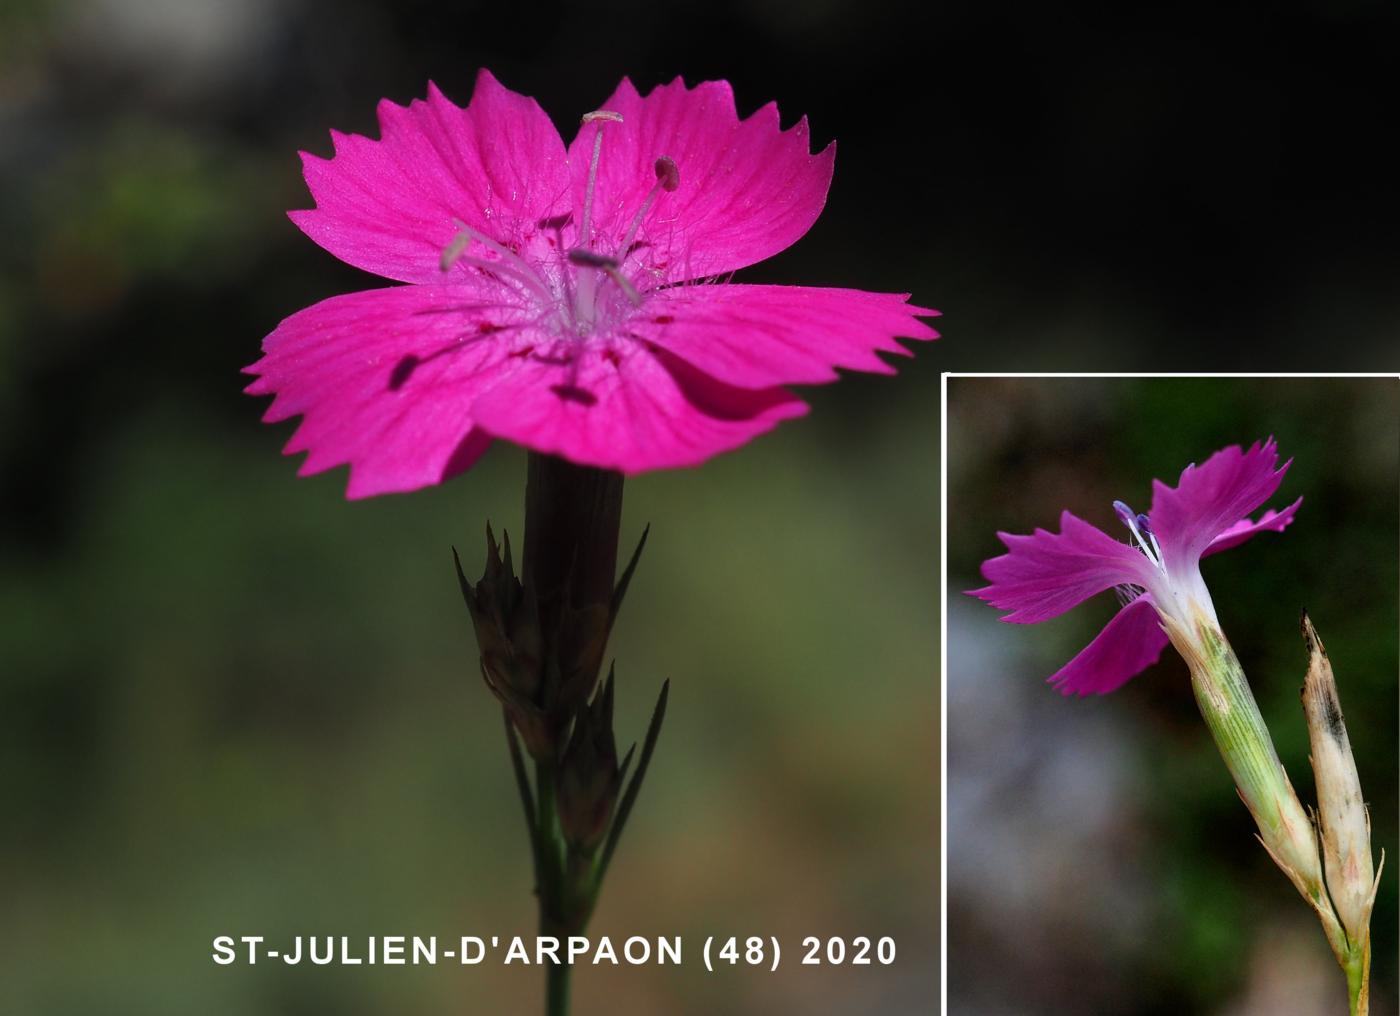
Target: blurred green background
[
  {"x": 1105, "y": 830},
  {"x": 235, "y": 704}
]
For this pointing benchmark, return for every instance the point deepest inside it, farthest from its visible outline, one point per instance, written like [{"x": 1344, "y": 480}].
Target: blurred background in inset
[
  {"x": 1098, "y": 857},
  {"x": 231, "y": 702}
]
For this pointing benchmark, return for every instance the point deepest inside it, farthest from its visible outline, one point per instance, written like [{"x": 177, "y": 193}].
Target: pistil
[
  {"x": 585, "y": 297},
  {"x": 600, "y": 116},
  {"x": 574, "y": 297}
]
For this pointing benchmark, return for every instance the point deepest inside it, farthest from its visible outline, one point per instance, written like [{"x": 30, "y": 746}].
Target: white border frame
[{"x": 943, "y": 596}]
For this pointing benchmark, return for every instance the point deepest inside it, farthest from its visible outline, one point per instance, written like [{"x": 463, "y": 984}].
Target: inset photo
[{"x": 1171, "y": 694}]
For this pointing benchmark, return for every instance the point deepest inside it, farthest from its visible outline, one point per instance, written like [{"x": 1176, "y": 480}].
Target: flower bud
[
  {"x": 541, "y": 653},
  {"x": 1341, "y": 810},
  {"x": 506, "y": 619},
  {"x": 589, "y": 775},
  {"x": 579, "y": 641}
]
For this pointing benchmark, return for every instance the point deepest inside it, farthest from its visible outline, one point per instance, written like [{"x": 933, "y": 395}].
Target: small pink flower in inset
[
  {"x": 571, "y": 300},
  {"x": 1045, "y": 574}
]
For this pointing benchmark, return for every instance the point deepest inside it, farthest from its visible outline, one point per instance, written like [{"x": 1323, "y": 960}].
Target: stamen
[
  {"x": 600, "y": 116},
  {"x": 1141, "y": 529},
  {"x": 588, "y": 259},
  {"x": 622, "y": 284},
  {"x": 524, "y": 274},
  {"x": 1145, "y": 527},
  {"x": 498, "y": 268},
  {"x": 502, "y": 251},
  {"x": 668, "y": 178},
  {"x": 1126, "y": 594},
  {"x": 610, "y": 267},
  {"x": 668, "y": 173},
  {"x": 587, "y": 288},
  {"x": 454, "y": 250}
]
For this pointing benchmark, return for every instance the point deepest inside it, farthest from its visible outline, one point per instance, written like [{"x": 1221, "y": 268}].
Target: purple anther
[
  {"x": 588, "y": 259},
  {"x": 668, "y": 174}
]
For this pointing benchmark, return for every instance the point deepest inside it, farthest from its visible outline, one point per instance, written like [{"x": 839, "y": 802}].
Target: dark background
[{"x": 230, "y": 701}]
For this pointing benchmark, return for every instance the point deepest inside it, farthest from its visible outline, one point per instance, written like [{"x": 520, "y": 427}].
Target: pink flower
[
  {"x": 563, "y": 298},
  {"x": 1045, "y": 574}
]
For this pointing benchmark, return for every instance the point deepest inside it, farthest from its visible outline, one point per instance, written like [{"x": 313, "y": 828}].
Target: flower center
[
  {"x": 573, "y": 299},
  {"x": 585, "y": 297},
  {"x": 1141, "y": 528}
]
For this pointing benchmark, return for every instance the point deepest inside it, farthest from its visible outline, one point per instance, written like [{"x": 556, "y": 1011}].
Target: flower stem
[
  {"x": 1233, "y": 716},
  {"x": 1227, "y": 704},
  {"x": 550, "y": 886},
  {"x": 1358, "y": 971},
  {"x": 572, "y": 518},
  {"x": 550, "y": 848},
  {"x": 556, "y": 1000},
  {"x": 573, "y": 515},
  {"x": 1285, "y": 830}
]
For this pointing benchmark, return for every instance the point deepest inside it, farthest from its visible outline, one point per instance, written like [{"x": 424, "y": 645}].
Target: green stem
[
  {"x": 550, "y": 886},
  {"x": 1231, "y": 713},
  {"x": 573, "y": 515},
  {"x": 1233, "y": 716},
  {"x": 549, "y": 840},
  {"x": 556, "y": 990},
  {"x": 522, "y": 784},
  {"x": 1358, "y": 971},
  {"x": 1286, "y": 831}
]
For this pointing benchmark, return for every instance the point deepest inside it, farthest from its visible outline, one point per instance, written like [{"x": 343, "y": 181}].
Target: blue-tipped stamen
[{"x": 1141, "y": 528}]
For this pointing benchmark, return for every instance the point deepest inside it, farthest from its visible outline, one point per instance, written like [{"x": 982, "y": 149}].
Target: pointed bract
[
  {"x": 1341, "y": 806},
  {"x": 590, "y": 778}
]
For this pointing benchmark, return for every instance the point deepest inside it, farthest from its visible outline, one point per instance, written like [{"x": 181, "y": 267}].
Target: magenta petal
[
  {"x": 757, "y": 336},
  {"x": 1211, "y": 498},
  {"x": 621, "y": 406},
  {"x": 383, "y": 380},
  {"x": 390, "y": 206},
  {"x": 1270, "y": 521},
  {"x": 1045, "y": 574},
  {"x": 1128, "y": 644},
  {"x": 747, "y": 189}
]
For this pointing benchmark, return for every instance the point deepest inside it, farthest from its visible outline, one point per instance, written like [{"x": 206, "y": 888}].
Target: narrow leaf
[
  {"x": 624, "y": 808},
  {"x": 468, "y": 594},
  {"x": 522, "y": 783},
  {"x": 621, "y": 589}
]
